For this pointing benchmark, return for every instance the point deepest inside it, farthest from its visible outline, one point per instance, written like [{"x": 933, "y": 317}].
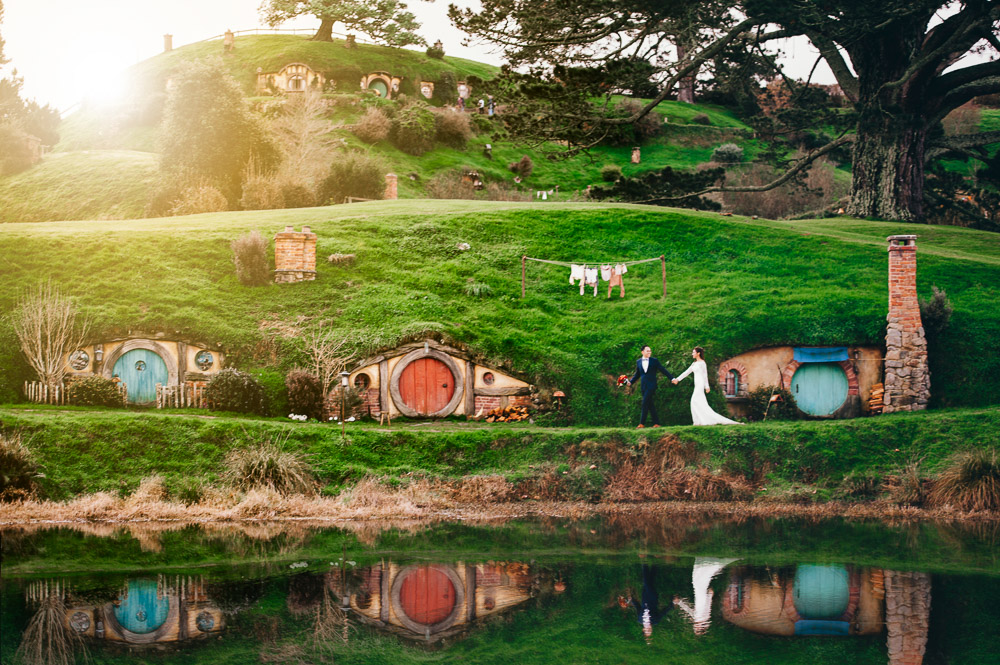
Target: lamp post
[{"x": 343, "y": 396}]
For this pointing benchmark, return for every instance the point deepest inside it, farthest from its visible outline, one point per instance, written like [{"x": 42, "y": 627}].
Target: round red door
[
  {"x": 427, "y": 596},
  {"x": 426, "y": 385}
]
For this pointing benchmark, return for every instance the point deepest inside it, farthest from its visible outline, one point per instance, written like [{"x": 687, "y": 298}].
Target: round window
[
  {"x": 79, "y": 359},
  {"x": 80, "y": 622},
  {"x": 204, "y": 360},
  {"x": 489, "y": 379},
  {"x": 362, "y": 381},
  {"x": 205, "y": 622}
]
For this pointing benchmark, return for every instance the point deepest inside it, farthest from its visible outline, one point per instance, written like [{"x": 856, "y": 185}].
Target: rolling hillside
[{"x": 733, "y": 284}]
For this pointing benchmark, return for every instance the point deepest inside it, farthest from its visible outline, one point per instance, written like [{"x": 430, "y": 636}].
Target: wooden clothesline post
[
  {"x": 663, "y": 265},
  {"x": 523, "y": 258}
]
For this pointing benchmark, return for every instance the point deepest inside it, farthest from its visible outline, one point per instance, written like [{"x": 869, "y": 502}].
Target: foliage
[
  {"x": 935, "y": 314},
  {"x": 452, "y": 128},
  {"x": 728, "y": 153},
  {"x": 445, "y": 89},
  {"x": 385, "y": 21},
  {"x": 233, "y": 390},
  {"x": 373, "y": 126},
  {"x": 810, "y": 194},
  {"x": 663, "y": 187},
  {"x": 15, "y": 155},
  {"x": 45, "y": 322},
  {"x": 784, "y": 408},
  {"x": 611, "y": 172},
  {"x": 94, "y": 391},
  {"x": 413, "y": 129},
  {"x": 250, "y": 255},
  {"x": 199, "y": 198},
  {"x": 275, "y": 392},
  {"x": 305, "y": 394},
  {"x": 261, "y": 192},
  {"x": 296, "y": 195},
  {"x": 302, "y": 133},
  {"x": 701, "y": 119},
  {"x": 269, "y": 464},
  {"x": 522, "y": 168},
  {"x": 436, "y": 52},
  {"x": 970, "y": 482},
  {"x": 646, "y": 126},
  {"x": 18, "y": 467},
  {"x": 353, "y": 173},
  {"x": 208, "y": 132}
]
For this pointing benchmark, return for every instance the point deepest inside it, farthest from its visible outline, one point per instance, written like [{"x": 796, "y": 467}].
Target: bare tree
[
  {"x": 303, "y": 132},
  {"x": 46, "y": 325},
  {"x": 328, "y": 355}
]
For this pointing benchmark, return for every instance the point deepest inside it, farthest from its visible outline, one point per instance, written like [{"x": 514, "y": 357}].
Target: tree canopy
[
  {"x": 384, "y": 21},
  {"x": 899, "y": 63}
]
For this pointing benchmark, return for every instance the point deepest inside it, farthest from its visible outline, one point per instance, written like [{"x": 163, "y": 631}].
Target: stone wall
[
  {"x": 294, "y": 255},
  {"x": 907, "y": 378}
]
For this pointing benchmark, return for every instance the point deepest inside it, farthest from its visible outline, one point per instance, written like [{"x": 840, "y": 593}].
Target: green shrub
[
  {"x": 611, "y": 172},
  {"x": 18, "y": 468},
  {"x": 198, "y": 199},
  {"x": 297, "y": 196},
  {"x": 784, "y": 408},
  {"x": 275, "y": 393},
  {"x": 253, "y": 267},
  {"x": 374, "y": 126},
  {"x": 268, "y": 465},
  {"x": 435, "y": 51},
  {"x": 413, "y": 129},
  {"x": 728, "y": 153},
  {"x": 305, "y": 394},
  {"x": 971, "y": 482},
  {"x": 261, "y": 192},
  {"x": 353, "y": 174},
  {"x": 233, "y": 390},
  {"x": 935, "y": 314},
  {"x": 481, "y": 124},
  {"x": 523, "y": 167},
  {"x": 445, "y": 89},
  {"x": 346, "y": 78},
  {"x": 188, "y": 491},
  {"x": 94, "y": 391},
  {"x": 452, "y": 128},
  {"x": 701, "y": 119}
]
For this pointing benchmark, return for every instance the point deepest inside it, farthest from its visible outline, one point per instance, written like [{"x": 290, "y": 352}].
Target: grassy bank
[
  {"x": 734, "y": 284},
  {"x": 85, "y": 451}
]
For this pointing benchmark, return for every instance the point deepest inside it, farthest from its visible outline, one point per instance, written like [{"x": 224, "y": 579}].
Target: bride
[{"x": 701, "y": 412}]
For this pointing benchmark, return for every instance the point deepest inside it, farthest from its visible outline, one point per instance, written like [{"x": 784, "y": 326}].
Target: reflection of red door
[
  {"x": 427, "y": 595},
  {"x": 426, "y": 385}
]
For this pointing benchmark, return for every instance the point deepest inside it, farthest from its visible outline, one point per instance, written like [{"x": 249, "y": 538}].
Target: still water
[{"x": 619, "y": 590}]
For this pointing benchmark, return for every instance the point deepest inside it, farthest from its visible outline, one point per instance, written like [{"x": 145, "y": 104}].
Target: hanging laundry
[
  {"x": 575, "y": 274},
  {"x": 591, "y": 278},
  {"x": 606, "y": 273},
  {"x": 616, "y": 279}
]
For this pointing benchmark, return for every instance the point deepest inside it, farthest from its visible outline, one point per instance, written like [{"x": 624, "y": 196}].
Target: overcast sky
[{"x": 63, "y": 48}]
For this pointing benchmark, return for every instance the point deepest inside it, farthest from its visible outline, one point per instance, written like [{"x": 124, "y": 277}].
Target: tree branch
[
  {"x": 960, "y": 142},
  {"x": 962, "y": 94},
  {"x": 848, "y": 82}
]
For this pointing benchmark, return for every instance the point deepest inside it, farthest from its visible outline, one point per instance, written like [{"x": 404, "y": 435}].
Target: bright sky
[{"x": 58, "y": 45}]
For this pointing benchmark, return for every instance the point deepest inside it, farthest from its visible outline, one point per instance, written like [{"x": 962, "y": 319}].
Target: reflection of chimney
[
  {"x": 168, "y": 43},
  {"x": 907, "y": 616},
  {"x": 907, "y": 379}
]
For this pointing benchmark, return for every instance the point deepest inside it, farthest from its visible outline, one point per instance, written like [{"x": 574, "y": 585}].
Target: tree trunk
[
  {"x": 325, "y": 32},
  {"x": 888, "y": 163},
  {"x": 685, "y": 87}
]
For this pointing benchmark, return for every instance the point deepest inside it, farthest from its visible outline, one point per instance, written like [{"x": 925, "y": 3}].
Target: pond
[{"x": 623, "y": 588}]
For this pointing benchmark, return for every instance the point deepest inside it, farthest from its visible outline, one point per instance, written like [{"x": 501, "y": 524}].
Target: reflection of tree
[
  {"x": 48, "y": 640},
  {"x": 331, "y": 624}
]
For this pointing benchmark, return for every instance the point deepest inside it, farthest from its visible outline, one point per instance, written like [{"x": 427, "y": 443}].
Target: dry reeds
[
  {"x": 971, "y": 482},
  {"x": 908, "y": 487},
  {"x": 267, "y": 465},
  {"x": 18, "y": 467}
]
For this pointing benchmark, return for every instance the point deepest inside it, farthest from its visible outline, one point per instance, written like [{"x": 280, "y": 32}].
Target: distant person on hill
[
  {"x": 646, "y": 369},
  {"x": 701, "y": 412},
  {"x": 481, "y": 105},
  {"x": 491, "y": 106},
  {"x": 461, "y": 103}
]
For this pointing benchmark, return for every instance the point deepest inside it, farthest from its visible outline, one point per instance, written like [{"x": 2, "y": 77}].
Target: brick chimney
[
  {"x": 168, "y": 43},
  {"x": 294, "y": 255},
  {"x": 391, "y": 186},
  {"x": 907, "y": 379}
]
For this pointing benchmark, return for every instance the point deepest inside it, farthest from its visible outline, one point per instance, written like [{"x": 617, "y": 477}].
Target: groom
[{"x": 647, "y": 367}]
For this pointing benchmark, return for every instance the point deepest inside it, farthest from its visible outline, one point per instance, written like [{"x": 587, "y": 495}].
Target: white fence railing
[
  {"x": 42, "y": 393},
  {"x": 186, "y": 396}
]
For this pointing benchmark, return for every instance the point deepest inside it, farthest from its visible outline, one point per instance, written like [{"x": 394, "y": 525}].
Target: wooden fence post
[
  {"x": 523, "y": 259},
  {"x": 663, "y": 265}
]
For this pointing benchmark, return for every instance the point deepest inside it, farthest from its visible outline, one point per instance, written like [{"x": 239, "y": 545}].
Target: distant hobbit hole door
[
  {"x": 140, "y": 370},
  {"x": 426, "y": 383},
  {"x": 380, "y": 87},
  {"x": 819, "y": 389}
]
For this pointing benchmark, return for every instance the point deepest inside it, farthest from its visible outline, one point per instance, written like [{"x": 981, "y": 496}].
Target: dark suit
[{"x": 648, "y": 386}]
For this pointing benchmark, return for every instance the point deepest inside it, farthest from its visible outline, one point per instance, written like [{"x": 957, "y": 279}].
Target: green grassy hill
[{"x": 733, "y": 284}]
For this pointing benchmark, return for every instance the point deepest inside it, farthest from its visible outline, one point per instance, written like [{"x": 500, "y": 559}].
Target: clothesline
[
  {"x": 662, "y": 259},
  {"x": 593, "y": 263}
]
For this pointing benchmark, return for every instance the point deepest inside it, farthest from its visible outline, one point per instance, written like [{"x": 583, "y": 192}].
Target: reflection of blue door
[
  {"x": 140, "y": 370},
  {"x": 821, "y": 592},
  {"x": 141, "y": 609},
  {"x": 819, "y": 389}
]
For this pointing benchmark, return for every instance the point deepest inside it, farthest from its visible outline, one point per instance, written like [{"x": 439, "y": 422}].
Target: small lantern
[
  {"x": 98, "y": 352},
  {"x": 343, "y": 379}
]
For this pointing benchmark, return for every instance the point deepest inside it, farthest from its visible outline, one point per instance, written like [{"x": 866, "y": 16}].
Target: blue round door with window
[
  {"x": 142, "y": 608},
  {"x": 140, "y": 370},
  {"x": 379, "y": 86},
  {"x": 819, "y": 389}
]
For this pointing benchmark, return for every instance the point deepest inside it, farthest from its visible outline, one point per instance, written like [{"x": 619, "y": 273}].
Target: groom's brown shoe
[
  {"x": 655, "y": 425},
  {"x": 640, "y": 426}
]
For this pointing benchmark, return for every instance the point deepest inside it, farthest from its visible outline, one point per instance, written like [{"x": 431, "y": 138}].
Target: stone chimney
[
  {"x": 391, "y": 186},
  {"x": 294, "y": 255},
  {"x": 168, "y": 43},
  {"x": 907, "y": 616},
  {"x": 907, "y": 379}
]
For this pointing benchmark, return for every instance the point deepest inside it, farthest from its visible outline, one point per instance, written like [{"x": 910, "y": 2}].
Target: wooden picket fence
[
  {"x": 41, "y": 393},
  {"x": 180, "y": 397}
]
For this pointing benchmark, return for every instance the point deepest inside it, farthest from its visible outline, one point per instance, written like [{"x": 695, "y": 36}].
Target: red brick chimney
[
  {"x": 907, "y": 379},
  {"x": 294, "y": 255},
  {"x": 391, "y": 186}
]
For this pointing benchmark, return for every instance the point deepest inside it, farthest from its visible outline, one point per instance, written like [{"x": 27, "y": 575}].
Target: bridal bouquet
[{"x": 622, "y": 379}]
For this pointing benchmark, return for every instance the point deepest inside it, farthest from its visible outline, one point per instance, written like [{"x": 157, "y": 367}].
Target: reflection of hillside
[{"x": 431, "y": 602}]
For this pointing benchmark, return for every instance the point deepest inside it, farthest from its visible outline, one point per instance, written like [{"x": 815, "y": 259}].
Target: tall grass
[
  {"x": 268, "y": 464},
  {"x": 971, "y": 482},
  {"x": 18, "y": 467}
]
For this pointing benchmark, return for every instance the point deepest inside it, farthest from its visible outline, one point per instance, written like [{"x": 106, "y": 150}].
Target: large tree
[
  {"x": 385, "y": 21},
  {"x": 900, "y": 63}
]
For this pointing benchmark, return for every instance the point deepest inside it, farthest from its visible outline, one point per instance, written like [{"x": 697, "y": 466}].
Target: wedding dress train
[{"x": 701, "y": 412}]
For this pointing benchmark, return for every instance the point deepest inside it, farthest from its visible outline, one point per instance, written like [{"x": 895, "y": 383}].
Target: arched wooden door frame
[
  {"x": 449, "y": 362},
  {"x": 148, "y": 345}
]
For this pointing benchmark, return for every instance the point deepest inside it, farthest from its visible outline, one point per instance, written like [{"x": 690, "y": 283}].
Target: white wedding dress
[{"x": 701, "y": 412}]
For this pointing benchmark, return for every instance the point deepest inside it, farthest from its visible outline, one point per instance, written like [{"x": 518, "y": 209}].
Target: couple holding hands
[{"x": 647, "y": 367}]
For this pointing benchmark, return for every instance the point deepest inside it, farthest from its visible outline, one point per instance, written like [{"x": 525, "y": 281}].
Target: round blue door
[
  {"x": 819, "y": 389},
  {"x": 821, "y": 592},
  {"x": 142, "y": 609},
  {"x": 140, "y": 370}
]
